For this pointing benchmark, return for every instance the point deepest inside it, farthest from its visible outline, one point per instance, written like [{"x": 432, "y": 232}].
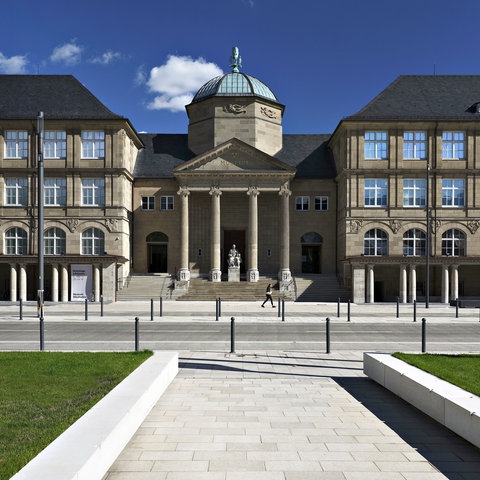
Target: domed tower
[{"x": 235, "y": 105}]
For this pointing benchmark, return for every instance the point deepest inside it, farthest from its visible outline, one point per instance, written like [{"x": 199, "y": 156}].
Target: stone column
[
  {"x": 445, "y": 284},
  {"x": 412, "y": 294},
  {"x": 285, "y": 275},
  {"x": 215, "y": 270},
  {"x": 252, "y": 273},
  {"x": 370, "y": 284},
  {"x": 403, "y": 284},
  {"x": 54, "y": 283},
  {"x": 64, "y": 270},
  {"x": 454, "y": 283},
  {"x": 96, "y": 283},
  {"x": 23, "y": 282},
  {"x": 184, "y": 271},
  {"x": 13, "y": 282},
  {"x": 358, "y": 283}
]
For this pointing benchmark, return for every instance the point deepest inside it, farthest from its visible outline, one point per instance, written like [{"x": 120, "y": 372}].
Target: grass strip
[
  {"x": 460, "y": 370},
  {"x": 43, "y": 393}
]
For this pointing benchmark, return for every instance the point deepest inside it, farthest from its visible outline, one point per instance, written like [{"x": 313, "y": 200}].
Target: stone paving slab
[{"x": 288, "y": 416}]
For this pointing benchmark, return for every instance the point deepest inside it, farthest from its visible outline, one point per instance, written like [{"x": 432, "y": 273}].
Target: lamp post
[
  {"x": 427, "y": 241},
  {"x": 40, "y": 188}
]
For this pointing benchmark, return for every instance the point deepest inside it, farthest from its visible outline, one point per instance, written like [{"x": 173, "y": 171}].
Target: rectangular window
[
  {"x": 148, "y": 203},
  {"x": 55, "y": 192},
  {"x": 302, "y": 203},
  {"x": 414, "y": 192},
  {"x": 16, "y": 144},
  {"x": 16, "y": 192},
  {"x": 166, "y": 203},
  {"x": 376, "y": 145},
  {"x": 453, "y": 193},
  {"x": 93, "y": 144},
  {"x": 453, "y": 145},
  {"x": 415, "y": 145},
  {"x": 376, "y": 194},
  {"x": 321, "y": 203},
  {"x": 55, "y": 145},
  {"x": 93, "y": 192}
]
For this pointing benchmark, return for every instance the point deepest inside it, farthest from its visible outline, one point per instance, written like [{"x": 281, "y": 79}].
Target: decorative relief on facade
[
  {"x": 473, "y": 225},
  {"x": 235, "y": 108},
  {"x": 72, "y": 224},
  {"x": 435, "y": 225},
  {"x": 183, "y": 191},
  {"x": 268, "y": 112},
  {"x": 111, "y": 224},
  {"x": 215, "y": 191},
  {"x": 33, "y": 224},
  {"x": 285, "y": 190},
  {"x": 395, "y": 225},
  {"x": 355, "y": 225}
]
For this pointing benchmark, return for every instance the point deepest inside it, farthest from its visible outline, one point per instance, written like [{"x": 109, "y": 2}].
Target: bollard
[
  {"x": 414, "y": 310},
  {"x": 42, "y": 335},
  {"x": 338, "y": 307},
  {"x": 21, "y": 309},
  {"x": 327, "y": 335},
  {"x": 86, "y": 309},
  {"x": 424, "y": 334},
  {"x": 101, "y": 306},
  {"x": 216, "y": 309},
  {"x": 219, "y": 307},
  {"x": 398, "y": 307},
  {"x": 279, "y": 308},
  {"x": 283, "y": 309},
  {"x": 232, "y": 335},
  {"x": 137, "y": 335},
  {"x": 456, "y": 307},
  {"x": 151, "y": 309},
  {"x": 348, "y": 310},
  {"x": 161, "y": 306}
]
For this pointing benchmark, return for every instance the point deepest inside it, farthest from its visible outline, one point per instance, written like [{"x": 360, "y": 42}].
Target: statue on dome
[
  {"x": 235, "y": 60},
  {"x": 234, "y": 257}
]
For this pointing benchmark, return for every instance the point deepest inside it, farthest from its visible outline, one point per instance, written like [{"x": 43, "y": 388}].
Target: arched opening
[
  {"x": 311, "y": 252},
  {"x": 157, "y": 250}
]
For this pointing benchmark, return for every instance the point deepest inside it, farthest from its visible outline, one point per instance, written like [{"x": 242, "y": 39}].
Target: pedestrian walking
[{"x": 268, "y": 296}]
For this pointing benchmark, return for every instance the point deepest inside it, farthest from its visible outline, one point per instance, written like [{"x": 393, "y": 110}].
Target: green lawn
[
  {"x": 43, "y": 393},
  {"x": 461, "y": 370}
]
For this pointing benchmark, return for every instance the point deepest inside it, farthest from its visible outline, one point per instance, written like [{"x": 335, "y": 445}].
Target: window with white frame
[
  {"x": 16, "y": 192},
  {"x": 166, "y": 202},
  {"x": 93, "y": 242},
  {"x": 414, "y": 243},
  {"x": 55, "y": 242},
  {"x": 453, "y": 145},
  {"x": 302, "y": 203},
  {"x": 15, "y": 241},
  {"x": 414, "y": 192},
  {"x": 453, "y": 193},
  {"x": 376, "y": 192},
  {"x": 93, "y": 144},
  {"x": 453, "y": 243},
  {"x": 375, "y": 243},
  {"x": 415, "y": 145},
  {"x": 321, "y": 203},
  {"x": 55, "y": 192},
  {"x": 375, "y": 145},
  {"x": 93, "y": 192},
  {"x": 148, "y": 203},
  {"x": 55, "y": 144},
  {"x": 16, "y": 144}
]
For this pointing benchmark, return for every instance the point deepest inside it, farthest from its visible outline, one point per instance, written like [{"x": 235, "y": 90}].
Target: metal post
[
  {"x": 424, "y": 335},
  {"x": 151, "y": 309},
  {"x": 414, "y": 310},
  {"x": 137, "y": 335},
  {"x": 427, "y": 240},
  {"x": 456, "y": 307},
  {"x": 348, "y": 310},
  {"x": 161, "y": 306},
  {"x": 86, "y": 309},
  {"x": 279, "y": 307},
  {"x": 283, "y": 309},
  {"x": 232, "y": 335},
  {"x": 219, "y": 307},
  {"x": 41, "y": 220},
  {"x": 216, "y": 309},
  {"x": 21, "y": 309},
  {"x": 42, "y": 335},
  {"x": 338, "y": 307},
  {"x": 398, "y": 307},
  {"x": 327, "y": 335},
  {"x": 101, "y": 306}
]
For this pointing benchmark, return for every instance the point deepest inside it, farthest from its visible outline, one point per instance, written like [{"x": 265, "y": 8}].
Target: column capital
[
  {"x": 285, "y": 190},
  {"x": 253, "y": 191},
  {"x": 183, "y": 191},
  {"x": 215, "y": 191}
]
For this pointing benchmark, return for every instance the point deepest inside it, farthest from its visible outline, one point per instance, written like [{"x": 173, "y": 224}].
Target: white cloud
[
  {"x": 140, "y": 75},
  {"x": 107, "y": 58},
  {"x": 15, "y": 64},
  {"x": 178, "y": 80},
  {"x": 68, "y": 53}
]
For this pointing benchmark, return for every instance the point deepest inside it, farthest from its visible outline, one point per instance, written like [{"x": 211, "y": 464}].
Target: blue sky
[{"x": 324, "y": 60}]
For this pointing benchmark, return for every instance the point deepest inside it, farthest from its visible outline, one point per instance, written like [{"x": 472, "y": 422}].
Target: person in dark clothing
[{"x": 268, "y": 296}]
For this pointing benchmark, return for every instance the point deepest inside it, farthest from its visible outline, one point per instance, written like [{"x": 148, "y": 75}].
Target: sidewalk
[{"x": 287, "y": 416}]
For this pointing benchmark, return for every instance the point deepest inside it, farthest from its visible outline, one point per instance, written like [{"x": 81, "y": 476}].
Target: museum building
[{"x": 394, "y": 190}]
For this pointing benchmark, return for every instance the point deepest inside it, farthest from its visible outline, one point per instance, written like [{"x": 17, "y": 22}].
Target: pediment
[{"x": 234, "y": 156}]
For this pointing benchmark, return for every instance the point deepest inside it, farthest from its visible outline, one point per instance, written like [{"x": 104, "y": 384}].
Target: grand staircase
[{"x": 308, "y": 288}]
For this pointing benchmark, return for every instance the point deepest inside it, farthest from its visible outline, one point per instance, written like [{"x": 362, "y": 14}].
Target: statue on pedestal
[{"x": 234, "y": 257}]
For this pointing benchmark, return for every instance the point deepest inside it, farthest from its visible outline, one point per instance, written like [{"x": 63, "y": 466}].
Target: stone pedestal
[{"x": 233, "y": 274}]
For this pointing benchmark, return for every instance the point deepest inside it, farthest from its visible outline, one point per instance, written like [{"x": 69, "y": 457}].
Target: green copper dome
[{"x": 234, "y": 84}]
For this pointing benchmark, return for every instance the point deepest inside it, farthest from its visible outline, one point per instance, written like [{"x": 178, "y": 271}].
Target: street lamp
[
  {"x": 41, "y": 222},
  {"x": 427, "y": 246}
]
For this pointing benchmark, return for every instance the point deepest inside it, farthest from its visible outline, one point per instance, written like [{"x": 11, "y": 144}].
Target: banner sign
[{"x": 81, "y": 283}]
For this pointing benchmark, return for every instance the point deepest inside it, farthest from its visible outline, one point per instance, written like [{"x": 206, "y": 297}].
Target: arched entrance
[
  {"x": 157, "y": 246},
  {"x": 311, "y": 252}
]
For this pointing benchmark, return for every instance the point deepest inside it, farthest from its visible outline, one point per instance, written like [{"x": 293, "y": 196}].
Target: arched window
[
  {"x": 414, "y": 243},
  {"x": 55, "y": 241},
  {"x": 311, "y": 237},
  {"x": 93, "y": 242},
  {"x": 453, "y": 243},
  {"x": 157, "y": 237},
  {"x": 15, "y": 241},
  {"x": 375, "y": 242}
]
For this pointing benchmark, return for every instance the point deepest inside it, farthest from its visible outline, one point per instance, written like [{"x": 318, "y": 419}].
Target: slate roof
[
  {"x": 163, "y": 152},
  {"x": 57, "y": 96},
  {"x": 425, "y": 97}
]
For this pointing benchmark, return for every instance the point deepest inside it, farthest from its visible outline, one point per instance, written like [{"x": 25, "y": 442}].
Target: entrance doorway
[
  {"x": 157, "y": 246},
  {"x": 311, "y": 252},
  {"x": 237, "y": 238}
]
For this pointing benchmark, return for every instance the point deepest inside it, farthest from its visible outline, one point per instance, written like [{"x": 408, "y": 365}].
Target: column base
[
  {"x": 285, "y": 280},
  {"x": 215, "y": 275},
  {"x": 183, "y": 275},
  {"x": 253, "y": 275}
]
